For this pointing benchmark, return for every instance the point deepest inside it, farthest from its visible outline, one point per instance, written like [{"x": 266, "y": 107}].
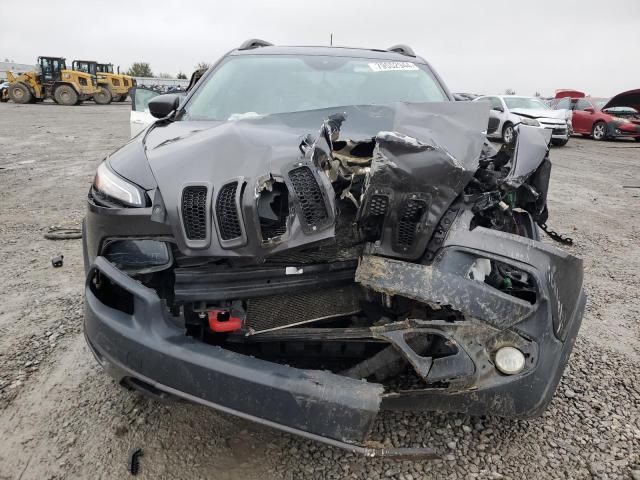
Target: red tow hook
[{"x": 222, "y": 321}]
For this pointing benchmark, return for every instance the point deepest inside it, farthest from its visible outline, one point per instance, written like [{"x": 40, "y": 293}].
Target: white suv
[{"x": 507, "y": 111}]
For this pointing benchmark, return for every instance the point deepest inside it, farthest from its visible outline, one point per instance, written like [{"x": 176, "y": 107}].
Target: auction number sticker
[{"x": 387, "y": 66}]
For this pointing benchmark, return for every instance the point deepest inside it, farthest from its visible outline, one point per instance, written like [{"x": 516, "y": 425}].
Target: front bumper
[
  {"x": 559, "y": 131},
  {"x": 617, "y": 129},
  {"x": 149, "y": 349}
]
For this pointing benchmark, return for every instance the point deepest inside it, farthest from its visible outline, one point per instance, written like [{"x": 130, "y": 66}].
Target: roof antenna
[{"x": 331, "y": 39}]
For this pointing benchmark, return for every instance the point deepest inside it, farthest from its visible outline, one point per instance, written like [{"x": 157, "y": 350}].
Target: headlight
[
  {"x": 113, "y": 186},
  {"x": 529, "y": 121}
]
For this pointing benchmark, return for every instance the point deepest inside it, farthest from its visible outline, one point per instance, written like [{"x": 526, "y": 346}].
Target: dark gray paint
[{"x": 212, "y": 153}]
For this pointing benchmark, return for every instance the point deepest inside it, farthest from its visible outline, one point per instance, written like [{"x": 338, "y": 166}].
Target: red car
[{"x": 600, "y": 118}]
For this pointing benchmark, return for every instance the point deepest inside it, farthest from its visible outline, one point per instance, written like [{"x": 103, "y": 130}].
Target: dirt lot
[{"x": 61, "y": 417}]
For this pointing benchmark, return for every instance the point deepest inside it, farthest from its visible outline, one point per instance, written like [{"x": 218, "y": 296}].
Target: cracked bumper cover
[
  {"x": 545, "y": 331},
  {"x": 618, "y": 129},
  {"x": 149, "y": 347}
]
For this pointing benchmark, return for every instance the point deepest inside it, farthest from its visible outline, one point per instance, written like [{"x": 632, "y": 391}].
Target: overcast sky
[{"x": 482, "y": 46}]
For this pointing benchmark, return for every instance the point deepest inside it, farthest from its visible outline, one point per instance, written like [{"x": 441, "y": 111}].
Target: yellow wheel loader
[
  {"x": 51, "y": 79},
  {"x": 106, "y": 93},
  {"x": 129, "y": 82},
  {"x": 119, "y": 83}
]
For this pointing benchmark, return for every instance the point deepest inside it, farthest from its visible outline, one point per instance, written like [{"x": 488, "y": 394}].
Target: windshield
[
  {"x": 523, "y": 102},
  {"x": 102, "y": 68},
  {"x": 266, "y": 84},
  {"x": 86, "y": 67}
]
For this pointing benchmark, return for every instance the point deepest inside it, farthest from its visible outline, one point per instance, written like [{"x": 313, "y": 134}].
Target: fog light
[{"x": 509, "y": 360}]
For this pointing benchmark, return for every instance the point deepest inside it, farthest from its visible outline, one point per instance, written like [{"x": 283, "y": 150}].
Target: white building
[{"x": 14, "y": 67}]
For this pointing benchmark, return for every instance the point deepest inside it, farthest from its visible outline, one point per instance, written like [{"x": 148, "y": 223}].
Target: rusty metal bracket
[{"x": 410, "y": 453}]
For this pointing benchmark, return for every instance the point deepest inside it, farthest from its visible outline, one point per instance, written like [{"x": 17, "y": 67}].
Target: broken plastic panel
[
  {"x": 273, "y": 209},
  {"x": 138, "y": 255}
]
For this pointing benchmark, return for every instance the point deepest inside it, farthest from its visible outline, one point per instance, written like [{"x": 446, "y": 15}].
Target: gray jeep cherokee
[{"x": 314, "y": 234}]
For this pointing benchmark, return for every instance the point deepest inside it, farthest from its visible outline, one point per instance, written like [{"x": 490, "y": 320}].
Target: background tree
[
  {"x": 181, "y": 75},
  {"x": 203, "y": 65},
  {"x": 164, "y": 75},
  {"x": 537, "y": 94},
  {"x": 509, "y": 91},
  {"x": 140, "y": 69}
]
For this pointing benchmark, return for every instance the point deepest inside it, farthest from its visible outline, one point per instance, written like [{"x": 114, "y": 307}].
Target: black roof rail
[
  {"x": 254, "y": 43},
  {"x": 403, "y": 50}
]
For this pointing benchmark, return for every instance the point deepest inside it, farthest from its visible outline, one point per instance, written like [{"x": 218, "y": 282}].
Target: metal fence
[{"x": 162, "y": 82}]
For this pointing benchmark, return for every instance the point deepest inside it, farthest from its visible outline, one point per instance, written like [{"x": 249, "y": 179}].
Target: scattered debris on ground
[
  {"x": 134, "y": 461},
  {"x": 57, "y": 261},
  {"x": 56, "y": 232}
]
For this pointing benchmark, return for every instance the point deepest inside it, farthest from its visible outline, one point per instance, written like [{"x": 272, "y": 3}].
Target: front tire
[
  {"x": 508, "y": 134},
  {"x": 103, "y": 97},
  {"x": 20, "y": 93},
  {"x": 599, "y": 131},
  {"x": 66, "y": 95}
]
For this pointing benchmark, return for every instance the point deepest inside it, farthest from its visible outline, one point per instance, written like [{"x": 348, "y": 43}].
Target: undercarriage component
[{"x": 319, "y": 334}]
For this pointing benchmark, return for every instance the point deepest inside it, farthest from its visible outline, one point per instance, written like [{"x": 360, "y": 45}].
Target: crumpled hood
[
  {"x": 436, "y": 150},
  {"x": 539, "y": 113},
  {"x": 630, "y": 98}
]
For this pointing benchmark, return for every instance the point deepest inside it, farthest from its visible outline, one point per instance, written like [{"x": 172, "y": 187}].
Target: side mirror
[
  {"x": 498, "y": 109},
  {"x": 163, "y": 105},
  {"x": 589, "y": 109}
]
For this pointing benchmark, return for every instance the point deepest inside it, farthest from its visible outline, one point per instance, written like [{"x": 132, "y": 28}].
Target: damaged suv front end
[{"x": 306, "y": 268}]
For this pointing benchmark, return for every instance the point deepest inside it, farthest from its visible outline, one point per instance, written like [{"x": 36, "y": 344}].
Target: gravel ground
[{"x": 61, "y": 417}]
